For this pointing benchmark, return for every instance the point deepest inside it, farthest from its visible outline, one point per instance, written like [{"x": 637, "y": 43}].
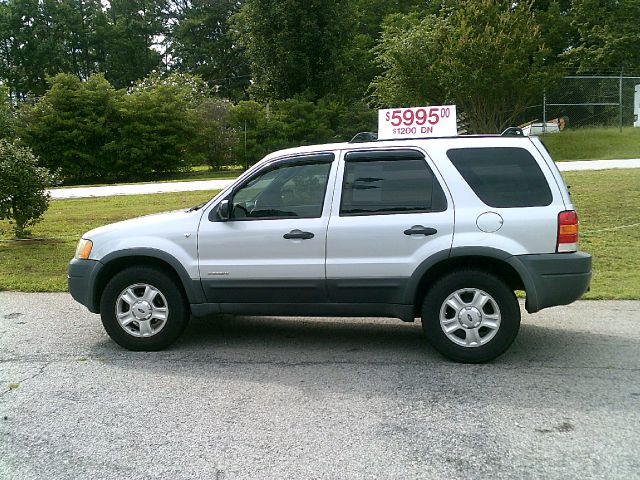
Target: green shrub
[
  {"x": 90, "y": 130},
  {"x": 23, "y": 187}
]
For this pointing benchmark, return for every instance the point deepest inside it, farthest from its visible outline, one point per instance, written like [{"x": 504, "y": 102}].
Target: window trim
[{"x": 299, "y": 159}]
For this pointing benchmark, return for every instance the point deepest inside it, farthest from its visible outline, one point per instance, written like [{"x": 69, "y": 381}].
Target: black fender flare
[
  {"x": 476, "y": 251},
  {"x": 192, "y": 288}
]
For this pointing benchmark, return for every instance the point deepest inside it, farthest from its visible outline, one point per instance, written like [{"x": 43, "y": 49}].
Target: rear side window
[
  {"x": 502, "y": 177},
  {"x": 377, "y": 184}
]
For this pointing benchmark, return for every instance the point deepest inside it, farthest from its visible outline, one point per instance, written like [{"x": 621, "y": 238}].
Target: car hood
[
  {"x": 158, "y": 223},
  {"x": 174, "y": 232}
]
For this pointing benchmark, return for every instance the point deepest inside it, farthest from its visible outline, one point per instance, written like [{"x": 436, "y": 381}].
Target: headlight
[{"x": 84, "y": 249}]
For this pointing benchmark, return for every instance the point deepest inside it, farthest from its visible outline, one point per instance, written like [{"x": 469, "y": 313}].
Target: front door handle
[
  {"x": 420, "y": 230},
  {"x": 298, "y": 234}
]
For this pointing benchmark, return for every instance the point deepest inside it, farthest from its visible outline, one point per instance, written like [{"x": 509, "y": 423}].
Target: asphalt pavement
[
  {"x": 280, "y": 398},
  {"x": 189, "y": 186}
]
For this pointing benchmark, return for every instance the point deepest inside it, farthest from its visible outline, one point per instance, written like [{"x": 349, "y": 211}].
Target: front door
[{"x": 272, "y": 247}]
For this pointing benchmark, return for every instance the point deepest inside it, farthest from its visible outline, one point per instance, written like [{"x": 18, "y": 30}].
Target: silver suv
[{"x": 445, "y": 229}]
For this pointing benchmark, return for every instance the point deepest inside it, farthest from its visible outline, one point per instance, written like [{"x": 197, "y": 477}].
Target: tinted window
[
  {"x": 502, "y": 177},
  {"x": 286, "y": 191},
  {"x": 372, "y": 186}
]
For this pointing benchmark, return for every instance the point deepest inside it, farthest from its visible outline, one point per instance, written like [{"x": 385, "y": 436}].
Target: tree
[
  {"x": 23, "y": 187},
  {"x": 6, "y": 113},
  {"x": 257, "y": 131},
  {"x": 296, "y": 121},
  {"x": 156, "y": 130},
  {"x": 485, "y": 56},
  {"x": 554, "y": 19},
  {"x": 607, "y": 37},
  {"x": 358, "y": 55},
  {"x": 43, "y": 38},
  {"x": 216, "y": 138},
  {"x": 69, "y": 127},
  {"x": 294, "y": 47},
  {"x": 128, "y": 36},
  {"x": 203, "y": 44}
]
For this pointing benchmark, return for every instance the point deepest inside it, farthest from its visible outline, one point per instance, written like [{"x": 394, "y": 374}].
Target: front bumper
[
  {"x": 554, "y": 278},
  {"x": 81, "y": 279}
]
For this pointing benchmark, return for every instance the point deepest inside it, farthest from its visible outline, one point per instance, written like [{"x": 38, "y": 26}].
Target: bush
[
  {"x": 90, "y": 130},
  {"x": 70, "y": 125},
  {"x": 297, "y": 121},
  {"x": 216, "y": 138},
  {"x": 23, "y": 187}
]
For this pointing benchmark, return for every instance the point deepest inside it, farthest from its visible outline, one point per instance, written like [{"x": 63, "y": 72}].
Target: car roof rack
[
  {"x": 512, "y": 132},
  {"x": 364, "y": 137}
]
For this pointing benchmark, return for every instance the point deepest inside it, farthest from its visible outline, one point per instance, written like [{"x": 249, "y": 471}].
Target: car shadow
[{"x": 229, "y": 340}]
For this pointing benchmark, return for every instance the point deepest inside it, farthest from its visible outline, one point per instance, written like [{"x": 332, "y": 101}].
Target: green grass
[
  {"x": 605, "y": 200},
  {"x": 40, "y": 265},
  {"x": 593, "y": 144}
]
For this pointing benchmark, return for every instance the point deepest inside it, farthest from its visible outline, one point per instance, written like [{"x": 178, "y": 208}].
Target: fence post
[
  {"x": 246, "y": 160},
  {"x": 620, "y": 104},
  {"x": 544, "y": 112}
]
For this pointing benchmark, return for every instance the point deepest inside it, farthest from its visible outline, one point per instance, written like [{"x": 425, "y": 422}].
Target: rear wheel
[
  {"x": 471, "y": 316},
  {"x": 143, "y": 309}
]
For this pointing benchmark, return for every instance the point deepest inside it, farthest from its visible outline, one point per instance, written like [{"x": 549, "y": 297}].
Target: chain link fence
[{"x": 586, "y": 101}]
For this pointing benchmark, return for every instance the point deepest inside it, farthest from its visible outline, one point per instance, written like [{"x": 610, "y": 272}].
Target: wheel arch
[
  {"x": 117, "y": 261},
  {"x": 497, "y": 262}
]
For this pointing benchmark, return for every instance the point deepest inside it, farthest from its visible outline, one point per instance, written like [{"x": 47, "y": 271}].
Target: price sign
[{"x": 434, "y": 121}]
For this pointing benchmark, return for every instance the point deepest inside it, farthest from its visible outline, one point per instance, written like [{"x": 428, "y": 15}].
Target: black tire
[
  {"x": 171, "y": 297},
  {"x": 466, "y": 283}
]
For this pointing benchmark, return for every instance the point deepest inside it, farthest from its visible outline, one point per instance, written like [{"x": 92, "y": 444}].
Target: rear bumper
[
  {"x": 81, "y": 279},
  {"x": 554, "y": 279}
]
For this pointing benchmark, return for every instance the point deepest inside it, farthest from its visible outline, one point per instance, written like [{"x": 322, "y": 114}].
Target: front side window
[
  {"x": 289, "y": 190},
  {"x": 376, "y": 186}
]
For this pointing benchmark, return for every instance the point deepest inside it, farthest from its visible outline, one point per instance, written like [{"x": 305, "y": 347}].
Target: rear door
[{"x": 390, "y": 212}]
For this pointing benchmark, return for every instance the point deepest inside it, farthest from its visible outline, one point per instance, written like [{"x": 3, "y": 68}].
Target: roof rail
[
  {"x": 364, "y": 137},
  {"x": 512, "y": 132}
]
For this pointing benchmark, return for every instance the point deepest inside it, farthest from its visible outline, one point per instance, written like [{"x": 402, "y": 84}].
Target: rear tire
[
  {"x": 143, "y": 309},
  {"x": 471, "y": 316}
]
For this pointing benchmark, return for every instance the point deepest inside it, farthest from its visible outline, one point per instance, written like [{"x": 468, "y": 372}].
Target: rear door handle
[
  {"x": 298, "y": 234},
  {"x": 420, "y": 230}
]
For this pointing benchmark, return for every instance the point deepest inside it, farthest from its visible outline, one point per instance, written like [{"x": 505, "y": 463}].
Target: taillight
[{"x": 567, "y": 231}]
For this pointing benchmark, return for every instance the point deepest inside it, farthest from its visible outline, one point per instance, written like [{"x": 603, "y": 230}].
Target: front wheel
[
  {"x": 143, "y": 309},
  {"x": 471, "y": 316}
]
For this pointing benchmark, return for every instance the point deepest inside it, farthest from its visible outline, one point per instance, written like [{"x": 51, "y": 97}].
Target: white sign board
[{"x": 433, "y": 121}]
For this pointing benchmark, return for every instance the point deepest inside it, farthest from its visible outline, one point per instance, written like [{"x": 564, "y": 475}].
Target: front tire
[
  {"x": 143, "y": 309},
  {"x": 471, "y": 316}
]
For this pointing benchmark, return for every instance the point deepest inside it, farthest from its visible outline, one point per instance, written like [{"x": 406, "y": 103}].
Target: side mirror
[
  {"x": 221, "y": 212},
  {"x": 224, "y": 210}
]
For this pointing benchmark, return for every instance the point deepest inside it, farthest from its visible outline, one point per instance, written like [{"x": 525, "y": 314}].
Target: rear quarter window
[{"x": 502, "y": 177}]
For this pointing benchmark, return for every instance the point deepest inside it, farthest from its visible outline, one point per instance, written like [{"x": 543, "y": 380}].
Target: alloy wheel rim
[
  {"x": 142, "y": 310},
  {"x": 470, "y": 317}
]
